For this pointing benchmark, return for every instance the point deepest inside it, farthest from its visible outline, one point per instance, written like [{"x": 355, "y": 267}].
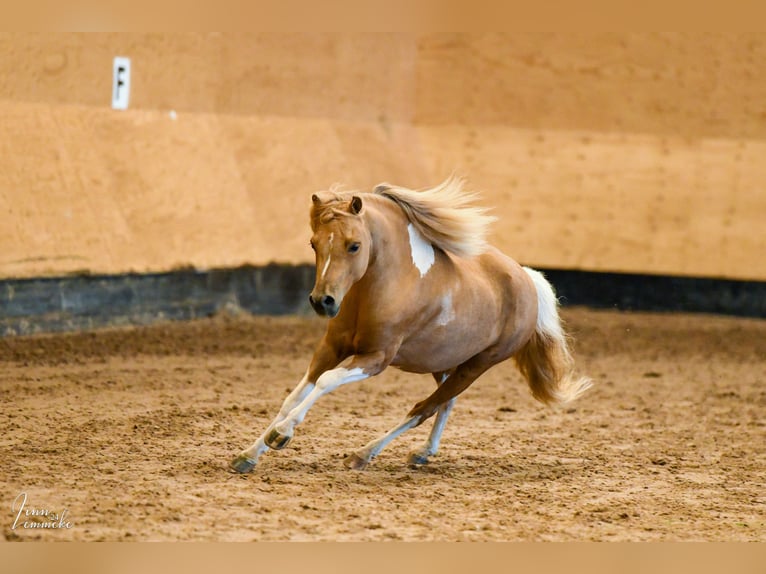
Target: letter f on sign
[{"x": 121, "y": 83}]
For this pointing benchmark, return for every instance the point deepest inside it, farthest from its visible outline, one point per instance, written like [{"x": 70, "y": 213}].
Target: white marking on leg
[
  {"x": 421, "y": 250},
  {"x": 328, "y": 382},
  {"x": 373, "y": 448},
  {"x": 329, "y": 256},
  {"x": 295, "y": 397},
  {"x": 432, "y": 444},
  {"x": 447, "y": 313}
]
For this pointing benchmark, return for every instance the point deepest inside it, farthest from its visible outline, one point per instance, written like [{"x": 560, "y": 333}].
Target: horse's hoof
[
  {"x": 355, "y": 462},
  {"x": 277, "y": 441},
  {"x": 242, "y": 464},
  {"x": 417, "y": 459}
]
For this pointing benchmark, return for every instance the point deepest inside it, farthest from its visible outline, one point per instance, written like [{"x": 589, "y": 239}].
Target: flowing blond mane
[{"x": 444, "y": 215}]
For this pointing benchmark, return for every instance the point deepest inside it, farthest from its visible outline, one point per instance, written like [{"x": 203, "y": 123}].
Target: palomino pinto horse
[{"x": 408, "y": 280}]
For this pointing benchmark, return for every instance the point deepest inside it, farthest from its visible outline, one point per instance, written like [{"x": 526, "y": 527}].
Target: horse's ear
[
  {"x": 315, "y": 199},
  {"x": 356, "y": 205}
]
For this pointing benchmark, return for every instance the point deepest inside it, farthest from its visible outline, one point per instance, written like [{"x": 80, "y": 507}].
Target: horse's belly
[{"x": 435, "y": 350}]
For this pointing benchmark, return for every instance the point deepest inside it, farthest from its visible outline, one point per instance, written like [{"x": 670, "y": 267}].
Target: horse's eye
[{"x": 353, "y": 248}]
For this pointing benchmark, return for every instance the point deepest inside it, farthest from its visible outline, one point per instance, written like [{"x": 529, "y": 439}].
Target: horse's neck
[{"x": 390, "y": 253}]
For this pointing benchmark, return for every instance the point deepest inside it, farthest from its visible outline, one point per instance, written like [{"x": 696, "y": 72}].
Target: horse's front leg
[
  {"x": 324, "y": 358},
  {"x": 358, "y": 368}
]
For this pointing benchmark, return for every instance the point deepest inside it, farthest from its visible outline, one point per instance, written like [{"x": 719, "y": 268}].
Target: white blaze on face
[
  {"x": 329, "y": 256},
  {"x": 447, "y": 312},
  {"x": 421, "y": 250}
]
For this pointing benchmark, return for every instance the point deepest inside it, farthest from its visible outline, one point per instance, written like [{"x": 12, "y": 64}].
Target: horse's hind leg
[
  {"x": 431, "y": 446},
  {"x": 361, "y": 458},
  {"x": 456, "y": 383}
]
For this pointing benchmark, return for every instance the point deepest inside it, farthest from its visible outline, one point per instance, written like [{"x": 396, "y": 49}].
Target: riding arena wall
[{"x": 637, "y": 153}]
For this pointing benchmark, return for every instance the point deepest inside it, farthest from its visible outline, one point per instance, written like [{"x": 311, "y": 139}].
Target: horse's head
[{"x": 341, "y": 242}]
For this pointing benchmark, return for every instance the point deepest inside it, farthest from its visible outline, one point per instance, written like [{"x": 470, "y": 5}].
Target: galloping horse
[{"x": 408, "y": 280}]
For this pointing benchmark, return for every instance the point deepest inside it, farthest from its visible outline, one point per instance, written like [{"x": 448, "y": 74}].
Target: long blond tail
[{"x": 545, "y": 360}]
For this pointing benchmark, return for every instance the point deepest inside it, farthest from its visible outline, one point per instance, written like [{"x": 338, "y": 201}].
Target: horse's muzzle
[{"x": 325, "y": 306}]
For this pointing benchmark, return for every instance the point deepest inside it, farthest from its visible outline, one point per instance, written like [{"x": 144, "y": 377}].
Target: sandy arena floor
[{"x": 131, "y": 431}]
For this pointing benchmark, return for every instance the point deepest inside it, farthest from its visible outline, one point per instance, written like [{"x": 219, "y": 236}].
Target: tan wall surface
[
  {"x": 695, "y": 85},
  {"x": 638, "y": 153},
  {"x": 617, "y": 202},
  {"x": 354, "y": 76},
  {"x": 105, "y": 192}
]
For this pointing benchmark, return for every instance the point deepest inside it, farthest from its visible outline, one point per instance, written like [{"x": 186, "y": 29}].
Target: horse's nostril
[
  {"x": 311, "y": 299},
  {"x": 328, "y": 301}
]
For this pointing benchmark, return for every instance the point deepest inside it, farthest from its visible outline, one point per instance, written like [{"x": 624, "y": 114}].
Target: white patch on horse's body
[
  {"x": 327, "y": 382},
  {"x": 329, "y": 256},
  {"x": 447, "y": 313},
  {"x": 421, "y": 250}
]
